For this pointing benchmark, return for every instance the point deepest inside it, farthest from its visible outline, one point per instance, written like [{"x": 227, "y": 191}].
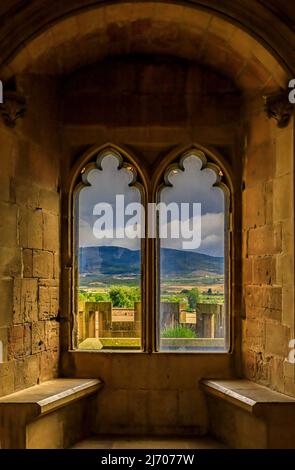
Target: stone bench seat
[
  {"x": 53, "y": 414},
  {"x": 244, "y": 414}
]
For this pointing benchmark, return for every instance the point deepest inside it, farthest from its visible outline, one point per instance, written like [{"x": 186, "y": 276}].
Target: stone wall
[
  {"x": 268, "y": 250},
  {"x": 29, "y": 240}
]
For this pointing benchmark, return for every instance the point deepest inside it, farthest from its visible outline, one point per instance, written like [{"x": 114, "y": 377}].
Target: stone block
[
  {"x": 38, "y": 337},
  {"x": 49, "y": 201},
  {"x": 25, "y": 304},
  {"x": 266, "y": 240},
  {"x": 19, "y": 341},
  {"x": 254, "y": 203},
  {"x": 259, "y": 133},
  {"x": 276, "y": 339},
  {"x": 30, "y": 228},
  {"x": 247, "y": 271},
  {"x": 42, "y": 264},
  {"x": 6, "y": 296},
  {"x": 27, "y": 259},
  {"x": 288, "y": 236},
  {"x": 269, "y": 202},
  {"x": 264, "y": 270},
  {"x": 260, "y": 164},
  {"x": 48, "y": 301},
  {"x": 26, "y": 195},
  {"x": 10, "y": 261},
  {"x": 285, "y": 269},
  {"x": 50, "y": 232},
  {"x": 255, "y": 334},
  {"x": 32, "y": 370},
  {"x": 264, "y": 296},
  {"x": 49, "y": 365},
  {"x": 282, "y": 205},
  {"x": 6, "y": 378},
  {"x": 52, "y": 334},
  {"x": 284, "y": 151}
]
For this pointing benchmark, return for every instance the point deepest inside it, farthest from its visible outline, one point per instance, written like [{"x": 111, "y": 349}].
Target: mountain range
[{"x": 113, "y": 260}]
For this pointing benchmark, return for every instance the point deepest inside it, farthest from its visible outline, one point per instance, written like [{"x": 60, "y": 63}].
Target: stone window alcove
[{"x": 111, "y": 234}]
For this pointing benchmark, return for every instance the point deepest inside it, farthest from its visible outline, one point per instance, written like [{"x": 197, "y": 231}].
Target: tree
[
  {"x": 193, "y": 298},
  {"x": 123, "y": 296}
]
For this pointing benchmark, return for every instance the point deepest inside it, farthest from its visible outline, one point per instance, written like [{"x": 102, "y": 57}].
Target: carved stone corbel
[
  {"x": 278, "y": 107},
  {"x": 12, "y": 108}
]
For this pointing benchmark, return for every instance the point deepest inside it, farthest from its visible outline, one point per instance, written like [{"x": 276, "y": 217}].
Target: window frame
[
  {"x": 149, "y": 247},
  {"x": 212, "y": 160}
]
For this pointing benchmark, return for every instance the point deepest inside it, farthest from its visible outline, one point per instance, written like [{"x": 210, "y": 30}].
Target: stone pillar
[
  {"x": 104, "y": 319},
  {"x": 81, "y": 322},
  {"x": 90, "y": 309},
  {"x": 206, "y": 320},
  {"x": 169, "y": 314}
]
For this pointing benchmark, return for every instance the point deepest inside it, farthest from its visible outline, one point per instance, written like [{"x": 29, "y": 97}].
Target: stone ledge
[
  {"x": 52, "y": 394},
  {"x": 60, "y": 401},
  {"x": 247, "y": 395},
  {"x": 245, "y": 415}
]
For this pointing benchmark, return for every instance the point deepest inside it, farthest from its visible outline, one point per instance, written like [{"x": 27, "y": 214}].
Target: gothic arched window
[
  {"x": 108, "y": 276},
  {"x": 193, "y": 268},
  {"x": 151, "y": 277}
]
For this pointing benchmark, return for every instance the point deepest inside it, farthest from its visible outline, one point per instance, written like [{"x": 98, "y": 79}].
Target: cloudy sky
[{"x": 189, "y": 186}]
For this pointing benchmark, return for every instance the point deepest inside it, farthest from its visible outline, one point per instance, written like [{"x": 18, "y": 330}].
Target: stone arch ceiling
[{"x": 122, "y": 28}]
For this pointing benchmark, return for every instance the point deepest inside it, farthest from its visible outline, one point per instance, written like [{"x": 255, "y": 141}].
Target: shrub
[
  {"x": 193, "y": 298},
  {"x": 178, "y": 332},
  {"x": 123, "y": 296}
]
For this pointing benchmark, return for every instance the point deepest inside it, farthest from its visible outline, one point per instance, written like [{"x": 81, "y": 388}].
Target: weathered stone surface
[
  {"x": 30, "y": 228},
  {"x": 264, "y": 270},
  {"x": 6, "y": 296},
  {"x": 50, "y": 232},
  {"x": 42, "y": 264},
  {"x": 277, "y": 339},
  {"x": 25, "y": 307},
  {"x": 6, "y": 378},
  {"x": 52, "y": 334},
  {"x": 49, "y": 365},
  {"x": 38, "y": 337},
  {"x": 48, "y": 301},
  {"x": 19, "y": 341},
  {"x": 264, "y": 296},
  {"x": 266, "y": 240},
  {"x": 27, "y": 259}
]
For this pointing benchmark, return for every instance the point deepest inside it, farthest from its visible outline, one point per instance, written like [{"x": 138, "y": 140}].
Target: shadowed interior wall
[{"x": 29, "y": 240}]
